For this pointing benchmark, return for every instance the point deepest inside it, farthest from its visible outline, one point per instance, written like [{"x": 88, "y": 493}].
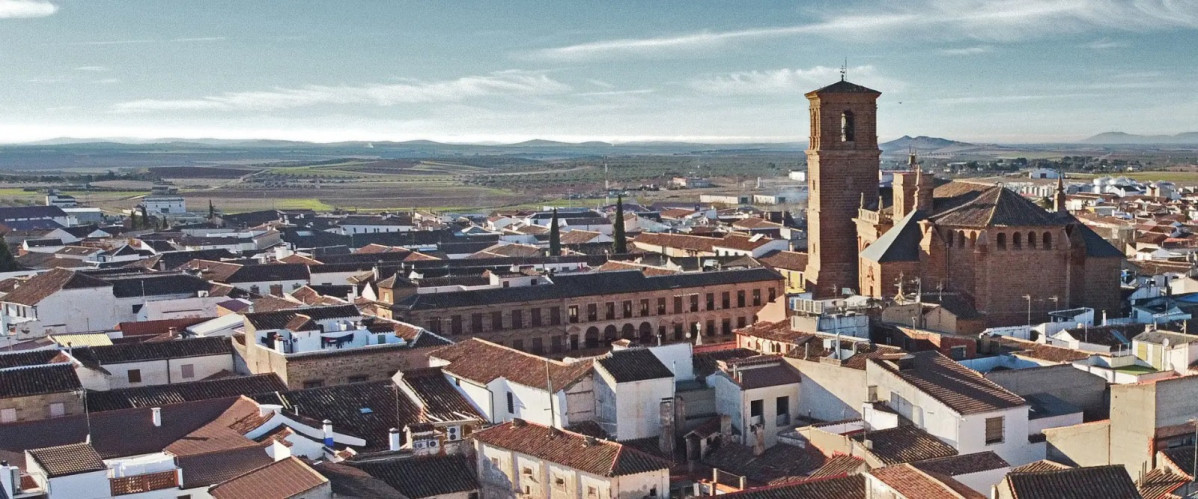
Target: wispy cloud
[
  {"x": 137, "y": 41},
  {"x": 509, "y": 83},
  {"x": 980, "y": 49},
  {"x": 998, "y": 99},
  {"x": 15, "y": 9},
  {"x": 941, "y": 19},
  {"x": 786, "y": 81},
  {"x": 95, "y": 69},
  {"x": 1104, "y": 44}
]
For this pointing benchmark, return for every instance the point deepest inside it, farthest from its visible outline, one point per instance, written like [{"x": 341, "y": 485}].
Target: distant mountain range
[{"x": 1121, "y": 138}]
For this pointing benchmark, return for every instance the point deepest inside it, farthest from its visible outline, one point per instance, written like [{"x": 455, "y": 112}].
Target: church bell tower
[{"x": 842, "y": 176}]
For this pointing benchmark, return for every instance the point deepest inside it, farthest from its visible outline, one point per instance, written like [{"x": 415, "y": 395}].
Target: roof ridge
[{"x": 938, "y": 481}]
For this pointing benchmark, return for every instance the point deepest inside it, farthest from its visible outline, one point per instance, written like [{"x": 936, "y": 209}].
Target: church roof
[
  {"x": 997, "y": 206},
  {"x": 1096, "y": 246},
  {"x": 900, "y": 243},
  {"x": 844, "y": 87}
]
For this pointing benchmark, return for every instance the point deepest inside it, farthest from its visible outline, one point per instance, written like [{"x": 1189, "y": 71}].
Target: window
[
  {"x": 644, "y": 307},
  {"x": 187, "y": 371},
  {"x": 694, "y": 303},
  {"x": 538, "y": 346},
  {"x": 661, "y": 306},
  {"x": 497, "y": 320},
  {"x": 710, "y": 301},
  {"x": 756, "y": 297},
  {"x": 134, "y": 375},
  {"x": 535, "y": 317},
  {"x": 756, "y": 410},
  {"x": 434, "y": 324},
  {"x": 773, "y": 294},
  {"x": 511, "y": 403},
  {"x": 726, "y": 327},
  {"x": 740, "y": 298},
  {"x": 1047, "y": 241},
  {"x": 358, "y": 378},
  {"x": 57, "y": 410},
  {"x": 782, "y": 409},
  {"x": 455, "y": 324},
  {"x": 847, "y": 126},
  {"x": 8, "y": 415},
  {"x": 740, "y": 322},
  {"x": 677, "y": 304},
  {"x": 555, "y": 315},
  {"x": 678, "y": 332},
  {"x": 725, "y": 300},
  {"x": 710, "y": 327},
  {"x": 627, "y": 305},
  {"x": 653, "y": 492},
  {"x": 573, "y": 311},
  {"x": 957, "y": 353},
  {"x": 559, "y": 482},
  {"x": 1001, "y": 239},
  {"x": 518, "y": 344},
  {"x": 994, "y": 430},
  {"x": 555, "y": 344},
  {"x": 314, "y": 383},
  {"x": 591, "y": 492},
  {"x": 517, "y": 319},
  {"x": 592, "y": 312},
  {"x": 609, "y": 310},
  {"x": 476, "y": 323},
  {"x": 137, "y": 308}
]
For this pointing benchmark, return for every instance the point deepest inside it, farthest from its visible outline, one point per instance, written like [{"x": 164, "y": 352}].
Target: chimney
[
  {"x": 393, "y": 439},
  {"x": 906, "y": 362},
  {"x": 665, "y": 441},
  {"x": 589, "y": 441},
  {"x": 726, "y": 426},
  {"x": 327, "y": 428},
  {"x": 518, "y": 423},
  {"x": 10, "y": 480},
  {"x": 156, "y": 416}
]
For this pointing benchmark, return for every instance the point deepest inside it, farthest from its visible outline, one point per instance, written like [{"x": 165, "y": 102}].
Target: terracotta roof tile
[
  {"x": 1160, "y": 484},
  {"x": 69, "y": 459},
  {"x": 289, "y": 477},
  {"x": 911, "y": 482},
  {"x": 1041, "y": 465},
  {"x": 597, "y": 457},
  {"x": 960, "y": 388},
  {"x": 834, "y": 487},
  {"x": 38, "y": 380},
  {"x": 1108, "y": 482},
  {"x": 786, "y": 260},
  {"x": 429, "y": 476},
  {"x": 962, "y": 464},
  {"x": 631, "y": 365},
  {"x": 482, "y": 362},
  {"x": 905, "y": 444},
  {"x": 839, "y": 464},
  {"x": 40, "y": 286}
]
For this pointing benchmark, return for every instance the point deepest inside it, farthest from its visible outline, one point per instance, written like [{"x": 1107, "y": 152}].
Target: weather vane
[{"x": 844, "y": 68}]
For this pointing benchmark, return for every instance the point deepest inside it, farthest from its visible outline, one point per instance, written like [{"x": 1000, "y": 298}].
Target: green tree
[
  {"x": 7, "y": 262},
  {"x": 555, "y": 236},
  {"x": 211, "y": 210},
  {"x": 620, "y": 245}
]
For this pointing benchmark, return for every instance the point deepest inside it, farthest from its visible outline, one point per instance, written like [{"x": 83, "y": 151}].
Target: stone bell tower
[{"x": 842, "y": 176}]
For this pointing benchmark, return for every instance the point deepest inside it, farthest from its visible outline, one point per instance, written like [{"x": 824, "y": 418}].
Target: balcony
[{"x": 137, "y": 484}]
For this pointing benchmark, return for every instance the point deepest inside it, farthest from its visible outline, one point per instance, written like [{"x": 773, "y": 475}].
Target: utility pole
[{"x": 1029, "y": 310}]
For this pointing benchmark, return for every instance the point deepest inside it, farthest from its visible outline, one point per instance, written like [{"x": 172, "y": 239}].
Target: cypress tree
[
  {"x": 211, "y": 210},
  {"x": 7, "y": 262},
  {"x": 620, "y": 245},
  {"x": 555, "y": 236}
]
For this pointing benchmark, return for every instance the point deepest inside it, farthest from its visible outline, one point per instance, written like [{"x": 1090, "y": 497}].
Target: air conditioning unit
[{"x": 453, "y": 433}]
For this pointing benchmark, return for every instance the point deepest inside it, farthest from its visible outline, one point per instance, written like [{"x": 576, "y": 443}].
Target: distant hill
[
  {"x": 921, "y": 144},
  {"x": 1122, "y": 138}
]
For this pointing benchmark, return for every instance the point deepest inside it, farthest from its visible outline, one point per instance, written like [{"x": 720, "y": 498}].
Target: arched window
[
  {"x": 1001, "y": 240},
  {"x": 973, "y": 239},
  {"x": 1031, "y": 240},
  {"x": 1047, "y": 241},
  {"x": 847, "y": 126},
  {"x": 949, "y": 238},
  {"x": 1017, "y": 241},
  {"x": 960, "y": 239}
]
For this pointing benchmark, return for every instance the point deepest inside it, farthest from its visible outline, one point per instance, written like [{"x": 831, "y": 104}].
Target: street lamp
[{"x": 1029, "y": 310}]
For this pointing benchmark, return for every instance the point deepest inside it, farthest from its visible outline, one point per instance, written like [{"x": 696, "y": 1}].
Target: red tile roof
[
  {"x": 960, "y": 388},
  {"x": 482, "y": 362},
  {"x": 573, "y": 450},
  {"x": 289, "y": 477},
  {"x": 910, "y": 482}
]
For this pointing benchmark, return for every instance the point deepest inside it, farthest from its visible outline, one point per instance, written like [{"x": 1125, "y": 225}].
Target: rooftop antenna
[{"x": 844, "y": 69}]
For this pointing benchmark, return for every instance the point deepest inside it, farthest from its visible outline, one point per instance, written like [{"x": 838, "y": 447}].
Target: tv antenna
[{"x": 844, "y": 69}]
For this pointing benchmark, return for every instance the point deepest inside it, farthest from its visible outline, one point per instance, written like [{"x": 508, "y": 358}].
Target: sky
[{"x": 709, "y": 71}]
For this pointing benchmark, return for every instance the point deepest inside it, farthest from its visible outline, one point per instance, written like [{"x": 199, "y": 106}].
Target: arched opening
[
  {"x": 847, "y": 126},
  {"x": 609, "y": 334},
  {"x": 1031, "y": 240},
  {"x": 948, "y": 238},
  {"x": 646, "y": 333},
  {"x": 1001, "y": 241},
  {"x": 973, "y": 239},
  {"x": 1047, "y": 241},
  {"x": 960, "y": 239},
  {"x": 628, "y": 332},
  {"x": 679, "y": 331},
  {"x": 1017, "y": 240},
  {"x": 592, "y": 337}
]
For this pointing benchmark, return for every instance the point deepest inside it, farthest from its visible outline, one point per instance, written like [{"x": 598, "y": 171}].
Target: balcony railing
[{"x": 143, "y": 483}]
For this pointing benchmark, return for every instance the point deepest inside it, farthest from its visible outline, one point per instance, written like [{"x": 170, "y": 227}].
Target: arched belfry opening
[{"x": 847, "y": 126}]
